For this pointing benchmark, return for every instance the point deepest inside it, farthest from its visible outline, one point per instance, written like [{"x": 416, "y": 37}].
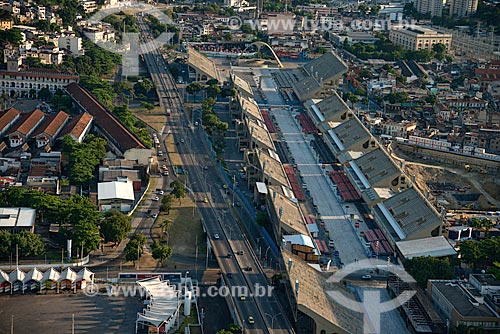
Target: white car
[
  {"x": 366, "y": 277},
  {"x": 216, "y": 236},
  {"x": 156, "y": 199},
  {"x": 154, "y": 215},
  {"x": 182, "y": 140},
  {"x": 161, "y": 192}
]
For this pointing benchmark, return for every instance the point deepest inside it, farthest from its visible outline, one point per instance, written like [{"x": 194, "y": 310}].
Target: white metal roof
[
  {"x": 50, "y": 275},
  {"x": 21, "y": 217},
  {"x": 115, "y": 190},
  {"x": 261, "y": 187},
  {"x": 68, "y": 274},
  {"x": 33, "y": 275},
  {"x": 16, "y": 275},
  {"x": 433, "y": 246}
]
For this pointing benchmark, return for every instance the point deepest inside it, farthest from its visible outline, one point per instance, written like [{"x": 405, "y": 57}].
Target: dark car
[
  {"x": 248, "y": 268},
  {"x": 229, "y": 255}
]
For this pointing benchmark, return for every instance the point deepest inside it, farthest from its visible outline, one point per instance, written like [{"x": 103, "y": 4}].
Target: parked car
[
  {"x": 366, "y": 277},
  {"x": 251, "y": 321},
  {"x": 216, "y": 236},
  {"x": 154, "y": 215},
  {"x": 156, "y": 199}
]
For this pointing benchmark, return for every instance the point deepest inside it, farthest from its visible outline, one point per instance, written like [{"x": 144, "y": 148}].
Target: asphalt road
[{"x": 203, "y": 177}]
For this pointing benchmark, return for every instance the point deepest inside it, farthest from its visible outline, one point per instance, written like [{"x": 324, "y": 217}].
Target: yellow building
[
  {"x": 419, "y": 38},
  {"x": 6, "y": 24}
]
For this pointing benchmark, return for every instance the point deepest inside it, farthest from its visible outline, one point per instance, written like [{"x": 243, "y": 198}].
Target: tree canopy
[
  {"x": 425, "y": 268},
  {"x": 84, "y": 157},
  {"x": 133, "y": 250},
  {"x": 115, "y": 226},
  {"x": 178, "y": 189},
  {"x": 161, "y": 252}
]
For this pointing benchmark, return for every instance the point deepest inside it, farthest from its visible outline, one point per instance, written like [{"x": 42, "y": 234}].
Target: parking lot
[{"x": 52, "y": 313}]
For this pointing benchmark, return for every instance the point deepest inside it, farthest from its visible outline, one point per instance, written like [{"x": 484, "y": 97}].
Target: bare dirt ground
[
  {"x": 447, "y": 180},
  {"x": 155, "y": 118}
]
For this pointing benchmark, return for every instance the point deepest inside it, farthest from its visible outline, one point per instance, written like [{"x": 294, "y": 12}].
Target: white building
[
  {"x": 17, "y": 219},
  {"x": 118, "y": 195},
  {"x": 71, "y": 43},
  {"x": 22, "y": 83},
  {"x": 89, "y": 6}
]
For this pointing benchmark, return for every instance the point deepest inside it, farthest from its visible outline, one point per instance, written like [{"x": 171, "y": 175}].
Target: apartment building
[
  {"x": 419, "y": 38},
  {"x": 460, "y": 8},
  {"x": 432, "y": 7}
]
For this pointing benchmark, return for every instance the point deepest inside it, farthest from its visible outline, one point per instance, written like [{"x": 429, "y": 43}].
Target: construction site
[{"x": 452, "y": 187}]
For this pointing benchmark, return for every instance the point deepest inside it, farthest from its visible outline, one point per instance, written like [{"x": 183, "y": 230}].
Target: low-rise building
[
  {"x": 6, "y": 24},
  {"x": 461, "y": 303},
  {"x": 16, "y": 220},
  {"x": 116, "y": 195},
  {"x": 48, "y": 131},
  {"x": 23, "y": 82},
  {"x": 419, "y": 38},
  {"x": 24, "y": 127}
]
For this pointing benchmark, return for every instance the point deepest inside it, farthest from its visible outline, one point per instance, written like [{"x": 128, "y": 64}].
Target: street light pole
[
  {"x": 234, "y": 184},
  {"x": 272, "y": 318}
]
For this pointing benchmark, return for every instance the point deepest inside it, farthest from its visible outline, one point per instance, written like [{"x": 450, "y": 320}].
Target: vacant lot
[
  {"x": 52, "y": 313},
  {"x": 155, "y": 117},
  {"x": 185, "y": 231}
]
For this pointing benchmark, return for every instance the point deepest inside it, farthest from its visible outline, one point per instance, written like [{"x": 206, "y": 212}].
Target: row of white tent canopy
[
  {"x": 163, "y": 308},
  {"x": 35, "y": 278}
]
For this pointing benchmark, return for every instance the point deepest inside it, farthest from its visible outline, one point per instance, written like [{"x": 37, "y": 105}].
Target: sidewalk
[{"x": 97, "y": 258}]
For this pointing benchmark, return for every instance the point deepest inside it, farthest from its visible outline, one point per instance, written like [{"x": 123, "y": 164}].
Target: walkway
[{"x": 332, "y": 212}]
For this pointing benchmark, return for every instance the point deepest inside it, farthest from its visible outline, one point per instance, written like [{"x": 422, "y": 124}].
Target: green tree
[
  {"x": 86, "y": 235},
  {"x": 143, "y": 87},
  {"x": 166, "y": 203},
  {"x": 246, "y": 28},
  {"x": 134, "y": 247},
  {"x": 44, "y": 94},
  {"x": 213, "y": 91},
  {"x": 431, "y": 98},
  {"x": 193, "y": 89},
  {"x": 83, "y": 158},
  {"x": 29, "y": 244},
  {"x": 425, "y": 268},
  {"x": 471, "y": 253},
  {"x": 161, "y": 252},
  {"x": 178, "y": 189},
  {"x": 5, "y": 244},
  {"x": 115, "y": 226}
]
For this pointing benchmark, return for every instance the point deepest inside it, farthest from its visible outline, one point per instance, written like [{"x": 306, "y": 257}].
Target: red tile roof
[
  {"x": 488, "y": 74},
  {"x": 123, "y": 138},
  {"x": 8, "y": 117},
  {"x": 52, "y": 124},
  {"x": 77, "y": 125},
  {"x": 28, "y": 121}
]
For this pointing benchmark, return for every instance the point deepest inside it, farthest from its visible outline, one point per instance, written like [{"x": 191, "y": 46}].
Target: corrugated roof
[
  {"x": 8, "y": 117},
  {"x": 115, "y": 190},
  {"x": 123, "y": 138},
  {"x": 77, "y": 125},
  {"x": 52, "y": 124},
  {"x": 28, "y": 121}
]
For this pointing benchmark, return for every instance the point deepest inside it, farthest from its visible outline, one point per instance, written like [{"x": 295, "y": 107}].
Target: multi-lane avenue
[{"x": 239, "y": 265}]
